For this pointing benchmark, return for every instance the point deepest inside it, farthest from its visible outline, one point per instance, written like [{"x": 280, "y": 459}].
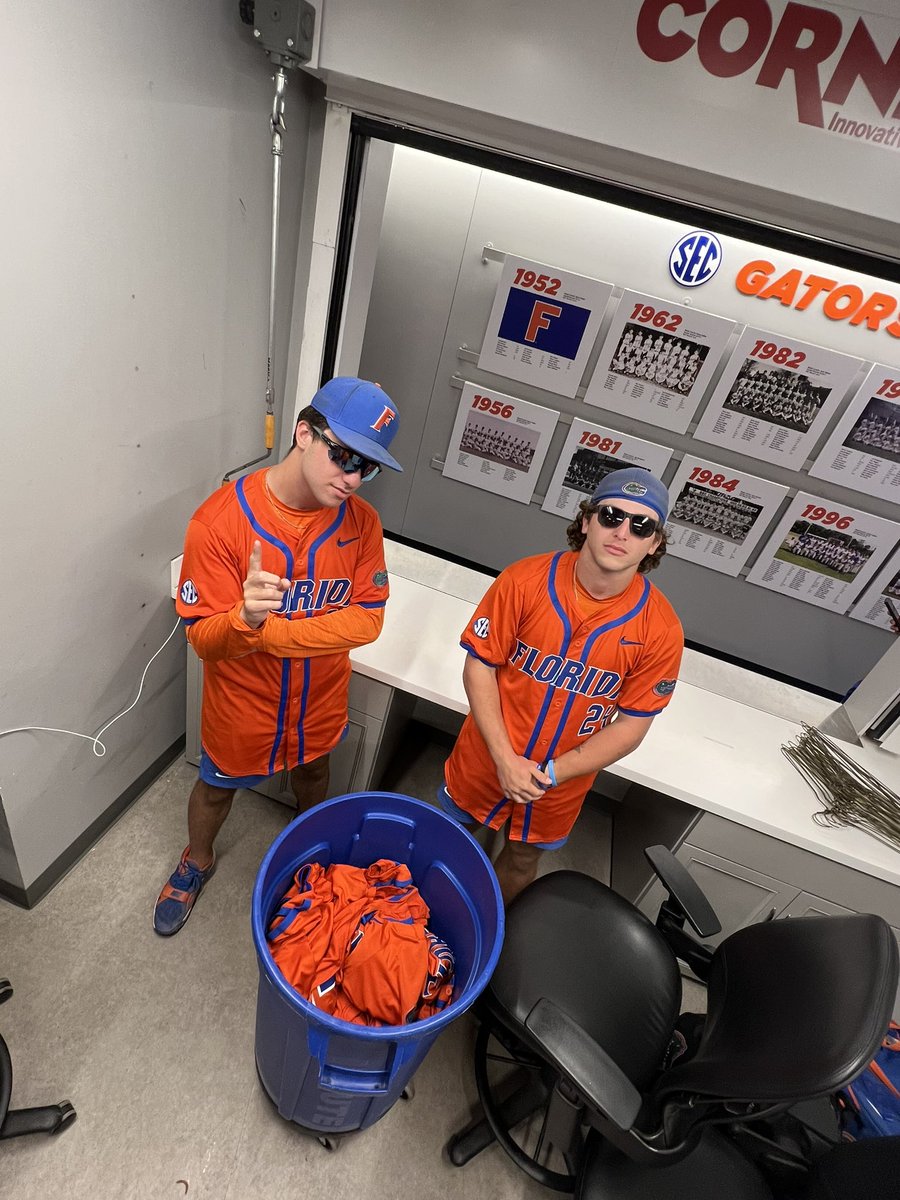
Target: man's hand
[
  {"x": 522, "y": 780},
  {"x": 263, "y": 591}
]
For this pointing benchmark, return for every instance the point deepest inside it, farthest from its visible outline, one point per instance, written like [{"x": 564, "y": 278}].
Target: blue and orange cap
[
  {"x": 360, "y": 415},
  {"x": 634, "y": 483}
]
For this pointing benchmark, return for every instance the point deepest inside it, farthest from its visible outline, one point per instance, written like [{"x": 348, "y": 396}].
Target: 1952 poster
[
  {"x": 543, "y": 325},
  {"x": 657, "y": 360},
  {"x": 498, "y": 442},
  {"x": 863, "y": 452},
  {"x": 872, "y": 606},
  {"x": 775, "y": 397},
  {"x": 718, "y": 515},
  {"x": 824, "y": 554},
  {"x": 590, "y": 452}
]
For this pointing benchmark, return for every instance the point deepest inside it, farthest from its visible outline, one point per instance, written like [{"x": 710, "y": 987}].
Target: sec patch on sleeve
[
  {"x": 482, "y": 627},
  {"x": 189, "y": 593}
]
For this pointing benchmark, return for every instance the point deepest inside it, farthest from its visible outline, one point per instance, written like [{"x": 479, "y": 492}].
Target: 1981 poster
[
  {"x": 775, "y": 397},
  {"x": 499, "y": 442},
  {"x": 543, "y": 325},
  {"x": 863, "y": 452},
  {"x": 589, "y": 454},
  {"x": 718, "y": 515},
  {"x": 823, "y": 553},
  {"x": 657, "y": 360}
]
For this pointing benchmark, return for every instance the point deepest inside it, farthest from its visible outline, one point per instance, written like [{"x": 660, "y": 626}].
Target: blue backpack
[{"x": 870, "y": 1105}]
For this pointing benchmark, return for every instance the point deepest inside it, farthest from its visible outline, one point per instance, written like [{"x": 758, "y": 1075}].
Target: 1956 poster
[
  {"x": 543, "y": 325},
  {"x": 657, "y": 360},
  {"x": 499, "y": 442},
  {"x": 775, "y": 397}
]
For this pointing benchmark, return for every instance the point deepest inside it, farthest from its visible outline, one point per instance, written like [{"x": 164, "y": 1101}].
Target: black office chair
[
  {"x": 635, "y": 1101},
  {"x": 51, "y": 1118}
]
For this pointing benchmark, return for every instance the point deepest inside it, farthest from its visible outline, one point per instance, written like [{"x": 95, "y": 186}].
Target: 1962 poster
[
  {"x": 589, "y": 454},
  {"x": 499, "y": 442},
  {"x": 824, "y": 553},
  {"x": 718, "y": 515},
  {"x": 863, "y": 452},
  {"x": 775, "y": 397},
  {"x": 543, "y": 325},
  {"x": 657, "y": 360}
]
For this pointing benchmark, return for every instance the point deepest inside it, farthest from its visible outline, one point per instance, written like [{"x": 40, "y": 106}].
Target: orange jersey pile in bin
[{"x": 352, "y": 941}]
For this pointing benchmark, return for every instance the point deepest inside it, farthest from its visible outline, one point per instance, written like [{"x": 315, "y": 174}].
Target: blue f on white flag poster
[{"x": 543, "y": 325}]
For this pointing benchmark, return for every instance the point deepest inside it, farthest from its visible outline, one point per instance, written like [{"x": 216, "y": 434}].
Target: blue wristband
[{"x": 549, "y": 769}]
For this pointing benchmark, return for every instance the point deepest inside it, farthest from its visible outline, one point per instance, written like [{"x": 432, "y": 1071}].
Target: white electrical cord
[{"x": 98, "y": 747}]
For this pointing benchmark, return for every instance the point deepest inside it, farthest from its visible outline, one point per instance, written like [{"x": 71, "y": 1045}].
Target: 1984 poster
[
  {"x": 657, "y": 360},
  {"x": 543, "y": 325},
  {"x": 775, "y": 397},
  {"x": 824, "y": 553}
]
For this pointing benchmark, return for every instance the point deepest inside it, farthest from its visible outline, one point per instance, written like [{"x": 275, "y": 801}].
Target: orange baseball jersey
[
  {"x": 268, "y": 705},
  {"x": 563, "y": 674}
]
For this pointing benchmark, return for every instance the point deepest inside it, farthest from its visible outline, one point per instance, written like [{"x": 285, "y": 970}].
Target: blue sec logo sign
[{"x": 695, "y": 258}]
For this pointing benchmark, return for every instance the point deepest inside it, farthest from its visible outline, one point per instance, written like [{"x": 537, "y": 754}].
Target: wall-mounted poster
[
  {"x": 589, "y": 454},
  {"x": 863, "y": 452},
  {"x": 775, "y": 397},
  {"x": 543, "y": 325},
  {"x": 499, "y": 443},
  {"x": 872, "y": 607},
  {"x": 823, "y": 554},
  {"x": 657, "y": 360},
  {"x": 718, "y": 515}
]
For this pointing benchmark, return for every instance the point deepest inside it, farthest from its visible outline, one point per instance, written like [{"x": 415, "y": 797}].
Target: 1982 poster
[
  {"x": 657, "y": 360},
  {"x": 543, "y": 325}
]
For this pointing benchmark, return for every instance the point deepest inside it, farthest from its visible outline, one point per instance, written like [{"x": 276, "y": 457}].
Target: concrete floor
[{"x": 152, "y": 1039}]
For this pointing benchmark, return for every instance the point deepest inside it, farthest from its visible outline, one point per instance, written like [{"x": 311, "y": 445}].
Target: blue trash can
[{"x": 330, "y": 1076}]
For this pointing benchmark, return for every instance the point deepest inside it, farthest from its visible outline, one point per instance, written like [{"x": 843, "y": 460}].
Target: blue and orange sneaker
[{"x": 173, "y": 907}]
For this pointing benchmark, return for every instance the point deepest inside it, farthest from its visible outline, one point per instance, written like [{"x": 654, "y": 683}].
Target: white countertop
[{"x": 717, "y": 746}]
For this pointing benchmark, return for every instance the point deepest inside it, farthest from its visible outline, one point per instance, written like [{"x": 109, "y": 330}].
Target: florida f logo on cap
[
  {"x": 633, "y": 483},
  {"x": 361, "y": 415}
]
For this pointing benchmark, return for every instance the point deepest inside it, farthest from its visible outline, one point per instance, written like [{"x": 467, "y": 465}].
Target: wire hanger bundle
[{"x": 850, "y": 795}]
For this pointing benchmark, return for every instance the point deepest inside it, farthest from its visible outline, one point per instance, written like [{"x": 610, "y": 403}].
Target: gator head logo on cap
[{"x": 634, "y": 489}]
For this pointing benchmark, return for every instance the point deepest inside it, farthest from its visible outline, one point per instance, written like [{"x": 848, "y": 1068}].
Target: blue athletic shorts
[
  {"x": 445, "y": 800},
  {"x": 211, "y": 774}
]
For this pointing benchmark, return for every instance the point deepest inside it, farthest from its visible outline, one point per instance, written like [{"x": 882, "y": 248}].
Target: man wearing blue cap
[
  {"x": 283, "y": 575},
  {"x": 570, "y": 657}
]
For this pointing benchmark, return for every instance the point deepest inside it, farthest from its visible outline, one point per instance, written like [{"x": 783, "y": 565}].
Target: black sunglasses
[
  {"x": 348, "y": 460},
  {"x": 611, "y": 517}
]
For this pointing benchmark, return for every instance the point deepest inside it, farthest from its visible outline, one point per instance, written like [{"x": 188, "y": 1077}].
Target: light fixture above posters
[
  {"x": 863, "y": 452},
  {"x": 590, "y": 452},
  {"x": 657, "y": 360},
  {"x": 498, "y": 442},
  {"x": 543, "y": 325},
  {"x": 775, "y": 397},
  {"x": 824, "y": 554},
  {"x": 718, "y": 515}
]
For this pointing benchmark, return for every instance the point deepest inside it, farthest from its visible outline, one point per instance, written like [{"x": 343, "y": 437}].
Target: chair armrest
[
  {"x": 684, "y": 891},
  {"x": 601, "y": 1082}
]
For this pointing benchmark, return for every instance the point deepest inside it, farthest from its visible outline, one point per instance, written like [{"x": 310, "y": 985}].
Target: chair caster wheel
[
  {"x": 67, "y": 1115},
  {"x": 329, "y": 1143},
  {"x": 409, "y": 1092}
]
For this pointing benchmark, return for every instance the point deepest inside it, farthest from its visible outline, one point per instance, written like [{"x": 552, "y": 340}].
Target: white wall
[
  {"x": 136, "y": 214},
  {"x": 571, "y": 83}
]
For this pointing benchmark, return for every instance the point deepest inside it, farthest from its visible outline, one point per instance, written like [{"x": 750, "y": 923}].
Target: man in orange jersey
[
  {"x": 570, "y": 657},
  {"x": 283, "y": 575}
]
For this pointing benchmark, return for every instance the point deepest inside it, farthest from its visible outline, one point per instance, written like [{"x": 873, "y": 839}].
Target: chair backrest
[{"x": 796, "y": 1008}]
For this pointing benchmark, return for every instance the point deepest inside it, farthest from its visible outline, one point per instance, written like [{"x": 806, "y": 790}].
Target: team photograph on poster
[
  {"x": 718, "y": 515},
  {"x": 823, "y": 554},
  {"x": 543, "y": 325},
  {"x": 863, "y": 451},
  {"x": 880, "y": 603},
  {"x": 590, "y": 452},
  {"x": 775, "y": 397},
  {"x": 499, "y": 442},
  {"x": 657, "y": 360}
]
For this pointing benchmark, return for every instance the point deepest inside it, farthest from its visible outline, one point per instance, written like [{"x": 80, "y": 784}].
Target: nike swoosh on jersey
[
  {"x": 625, "y": 642},
  {"x": 347, "y": 541}
]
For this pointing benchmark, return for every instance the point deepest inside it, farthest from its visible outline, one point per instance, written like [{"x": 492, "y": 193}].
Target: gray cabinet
[{"x": 377, "y": 715}]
